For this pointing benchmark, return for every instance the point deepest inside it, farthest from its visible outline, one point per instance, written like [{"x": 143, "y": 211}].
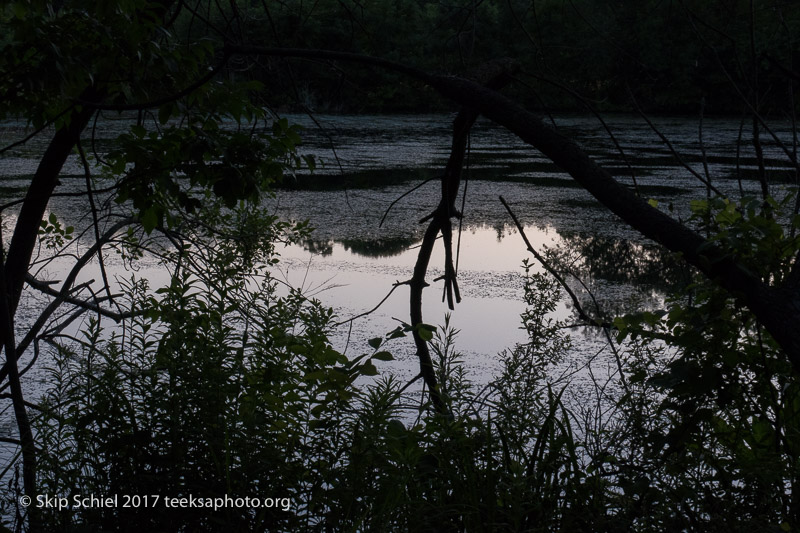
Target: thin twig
[
  {"x": 365, "y": 313},
  {"x": 95, "y": 221},
  {"x": 578, "y": 307},
  {"x": 672, "y": 149},
  {"x": 703, "y": 149},
  {"x": 386, "y": 213}
]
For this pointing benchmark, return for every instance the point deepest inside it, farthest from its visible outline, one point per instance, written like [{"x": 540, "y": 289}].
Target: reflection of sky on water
[
  {"x": 491, "y": 253},
  {"x": 362, "y": 261},
  {"x": 490, "y": 280},
  {"x": 490, "y": 273}
]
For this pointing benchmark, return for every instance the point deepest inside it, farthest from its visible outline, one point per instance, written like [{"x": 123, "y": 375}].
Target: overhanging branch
[{"x": 777, "y": 309}]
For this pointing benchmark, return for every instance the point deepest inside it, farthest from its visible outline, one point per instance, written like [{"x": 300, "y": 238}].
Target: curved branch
[
  {"x": 99, "y": 106},
  {"x": 37, "y": 197},
  {"x": 63, "y": 294},
  {"x": 591, "y": 321},
  {"x": 778, "y": 309}
]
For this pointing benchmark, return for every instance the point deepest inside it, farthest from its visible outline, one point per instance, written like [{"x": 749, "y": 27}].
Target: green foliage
[
  {"x": 727, "y": 394},
  {"x": 52, "y": 234},
  {"x": 758, "y": 234},
  {"x": 215, "y": 386},
  {"x": 504, "y": 459},
  {"x": 167, "y": 168},
  {"x": 51, "y": 54}
]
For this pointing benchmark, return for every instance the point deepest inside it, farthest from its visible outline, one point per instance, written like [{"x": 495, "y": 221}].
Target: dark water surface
[
  {"x": 352, "y": 261},
  {"x": 369, "y": 162}
]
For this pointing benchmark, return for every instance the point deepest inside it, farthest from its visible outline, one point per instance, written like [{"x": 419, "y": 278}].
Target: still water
[
  {"x": 367, "y": 165},
  {"x": 353, "y": 260}
]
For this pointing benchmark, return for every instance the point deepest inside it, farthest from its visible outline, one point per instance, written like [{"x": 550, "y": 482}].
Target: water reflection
[
  {"x": 354, "y": 260},
  {"x": 598, "y": 260},
  {"x": 353, "y": 274},
  {"x": 613, "y": 276},
  {"x": 358, "y": 272},
  {"x": 375, "y": 248},
  {"x": 322, "y": 248},
  {"x": 642, "y": 264}
]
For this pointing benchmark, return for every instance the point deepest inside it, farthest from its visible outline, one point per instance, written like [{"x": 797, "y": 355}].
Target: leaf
[
  {"x": 139, "y": 131},
  {"x": 299, "y": 349},
  {"x": 149, "y": 220},
  {"x": 383, "y": 356},
  {"x": 369, "y": 370},
  {"x": 317, "y": 375},
  {"x": 763, "y": 433},
  {"x": 396, "y": 429},
  {"x": 425, "y": 331},
  {"x": 19, "y": 10},
  {"x": 164, "y": 112},
  {"x": 698, "y": 206},
  {"x": 375, "y": 343},
  {"x": 653, "y": 202},
  {"x": 396, "y": 333}
]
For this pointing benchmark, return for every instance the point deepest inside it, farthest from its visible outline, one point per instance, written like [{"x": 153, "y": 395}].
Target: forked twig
[{"x": 605, "y": 326}]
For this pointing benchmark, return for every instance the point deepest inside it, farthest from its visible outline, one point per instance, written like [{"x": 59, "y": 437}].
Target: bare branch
[
  {"x": 365, "y": 313},
  {"x": 591, "y": 321}
]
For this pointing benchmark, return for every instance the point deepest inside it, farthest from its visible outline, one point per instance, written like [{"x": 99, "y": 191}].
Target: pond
[
  {"x": 374, "y": 164},
  {"x": 373, "y": 167}
]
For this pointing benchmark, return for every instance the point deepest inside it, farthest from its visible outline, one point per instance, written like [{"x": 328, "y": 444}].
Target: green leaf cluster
[
  {"x": 723, "y": 396},
  {"x": 52, "y": 234},
  {"x": 214, "y": 385}
]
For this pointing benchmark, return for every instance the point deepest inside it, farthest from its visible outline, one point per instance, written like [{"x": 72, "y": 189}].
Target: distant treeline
[{"x": 664, "y": 55}]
